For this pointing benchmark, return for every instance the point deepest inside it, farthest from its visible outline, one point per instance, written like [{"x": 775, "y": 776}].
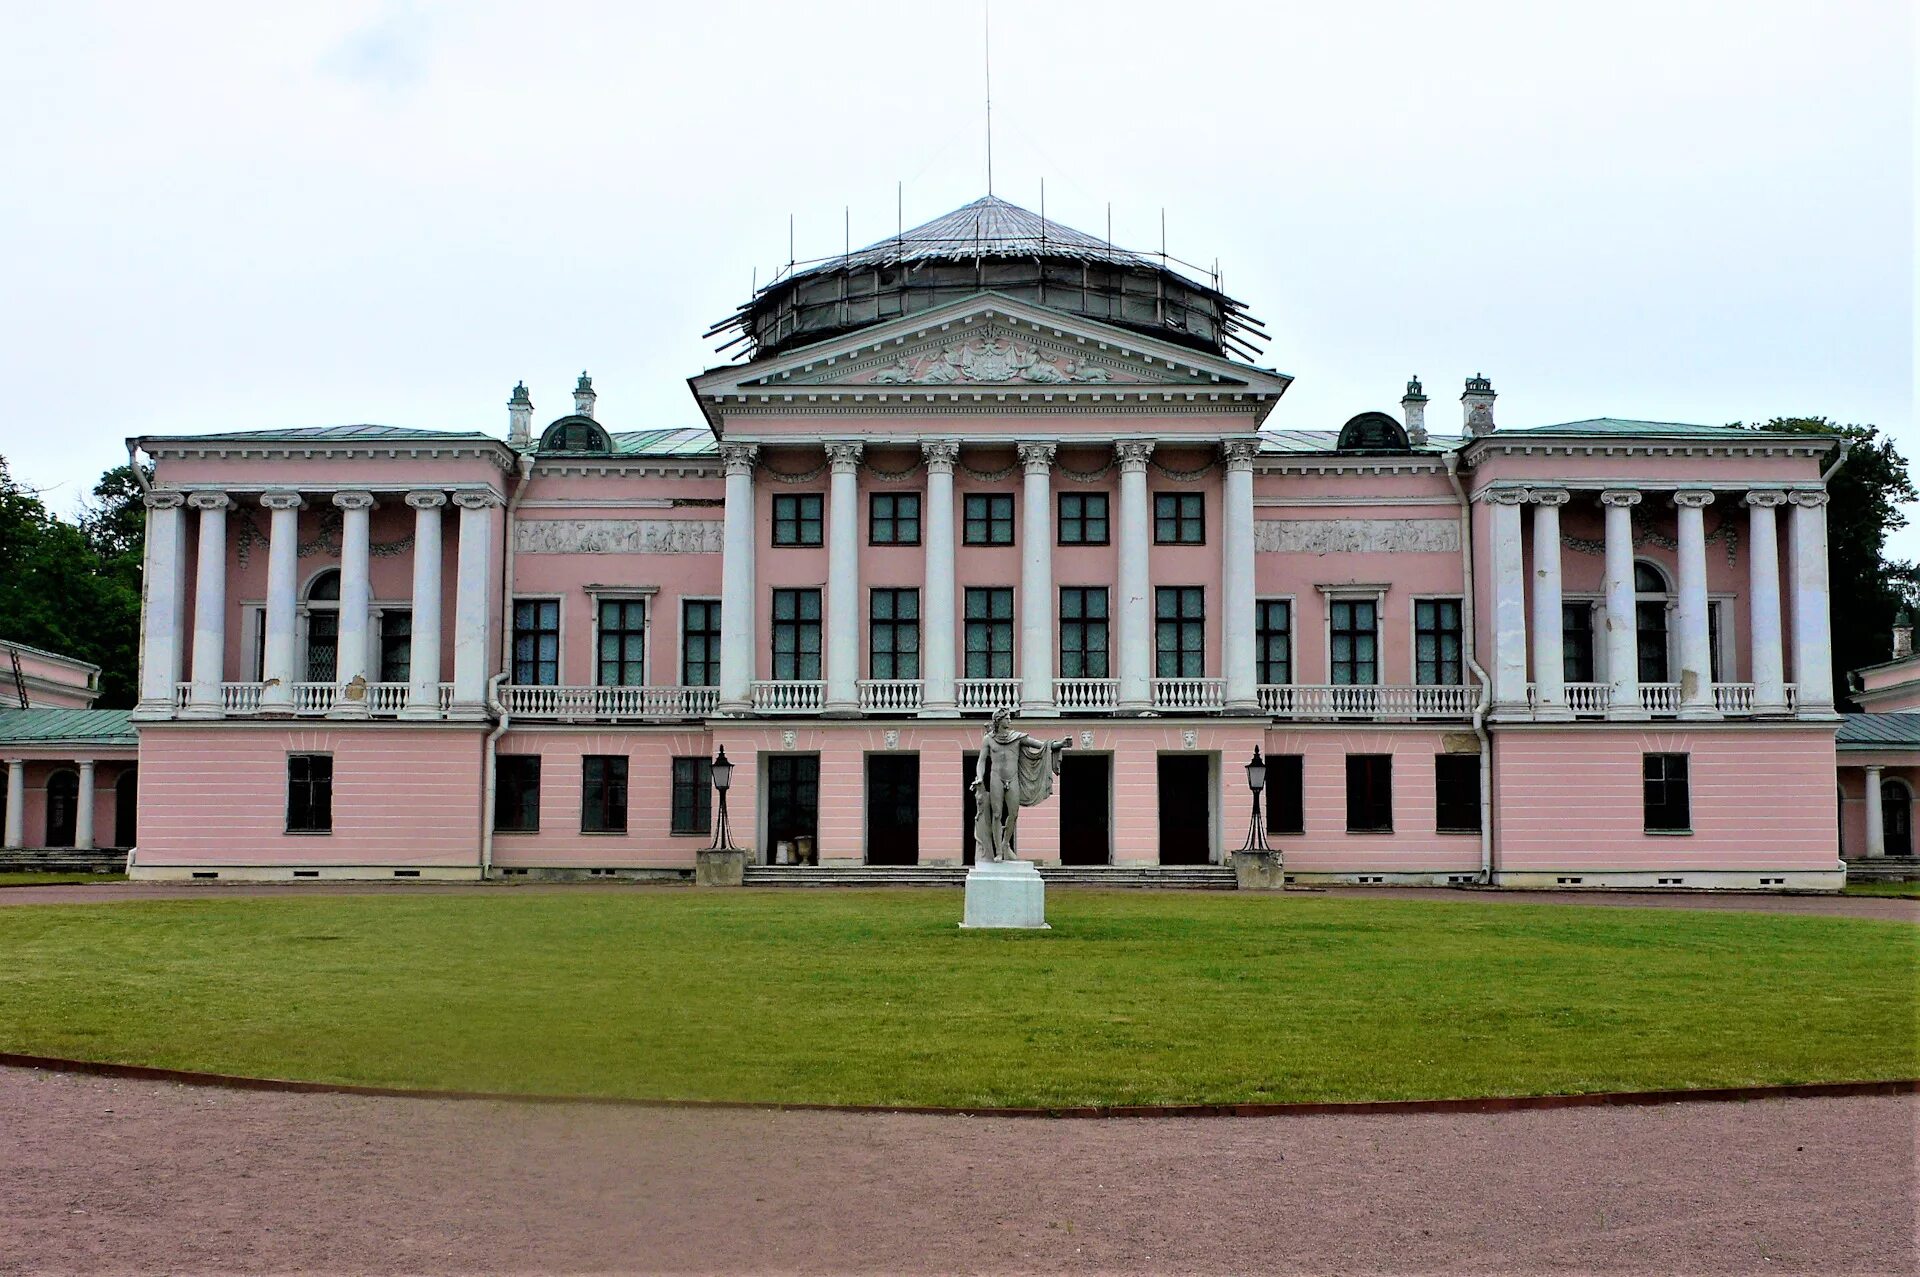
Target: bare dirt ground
[{"x": 101, "y": 1175}]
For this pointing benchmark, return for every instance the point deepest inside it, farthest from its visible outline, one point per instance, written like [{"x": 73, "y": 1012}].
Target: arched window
[
  {"x": 1896, "y": 816},
  {"x": 323, "y": 627},
  {"x": 126, "y": 797},
  {"x": 576, "y": 434},
  {"x": 63, "y": 806},
  {"x": 1373, "y": 432},
  {"x": 1651, "y": 596}
]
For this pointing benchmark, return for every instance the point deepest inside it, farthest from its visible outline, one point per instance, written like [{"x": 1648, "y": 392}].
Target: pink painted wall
[
  {"x": 54, "y": 682},
  {"x": 1414, "y": 846},
  {"x": 1013, "y": 426},
  {"x": 41, "y": 770}
]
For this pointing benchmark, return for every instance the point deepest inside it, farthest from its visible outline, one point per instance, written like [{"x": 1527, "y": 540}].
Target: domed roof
[{"x": 988, "y": 227}]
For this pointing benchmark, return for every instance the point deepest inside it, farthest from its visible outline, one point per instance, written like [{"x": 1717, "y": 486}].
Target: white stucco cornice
[
  {"x": 1542, "y": 445},
  {"x": 163, "y": 448},
  {"x": 1354, "y": 463}
]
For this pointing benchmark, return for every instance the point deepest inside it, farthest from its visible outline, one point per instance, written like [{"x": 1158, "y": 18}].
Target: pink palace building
[{"x": 992, "y": 462}]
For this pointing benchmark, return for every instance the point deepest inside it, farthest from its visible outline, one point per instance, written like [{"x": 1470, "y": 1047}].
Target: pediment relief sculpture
[{"x": 990, "y": 359}]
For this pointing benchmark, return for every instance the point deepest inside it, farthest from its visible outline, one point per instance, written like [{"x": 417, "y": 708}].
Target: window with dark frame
[
  {"x": 893, "y": 518},
  {"x": 1369, "y": 793},
  {"x": 1354, "y": 625},
  {"x": 396, "y": 646},
  {"x": 1083, "y": 631},
  {"x": 1273, "y": 640},
  {"x": 1179, "y": 631},
  {"x": 623, "y": 642},
  {"x": 1650, "y": 640},
  {"x": 893, "y": 634},
  {"x": 700, "y": 642},
  {"x": 1286, "y": 794},
  {"x": 796, "y": 635},
  {"x": 1179, "y": 518},
  {"x": 1456, "y": 793},
  {"x": 1083, "y": 518},
  {"x": 989, "y": 632},
  {"x": 536, "y": 642},
  {"x": 309, "y": 793},
  {"x": 603, "y": 794},
  {"x": 1713, "y": 640},
  {"x": 1576, "y": 642},
  {"x": 1668, "y": 807},
  {"x": 693, "y": 795},
  {"x": 797, "y": 518},
  {"x": 1436, "y": 642},
  {"x": 516, "y": 793},
  {"x": 988, "y": 518}
]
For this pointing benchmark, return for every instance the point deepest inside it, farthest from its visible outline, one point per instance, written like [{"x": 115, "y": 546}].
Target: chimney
[
  {"x": 1902, "y": 635},
  {"x": 519, "y": 418},
  {"x": 1477, "y": 404},
  {"x": 1414, "y": 408},
  {"x": 583, "y": 396}
]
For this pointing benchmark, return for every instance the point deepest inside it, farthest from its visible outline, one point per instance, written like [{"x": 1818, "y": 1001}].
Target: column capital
[
  {"x": 1036, "y": 458},
  {"x": 1765, "y": 498},
  {"x": 429, "y": 500},
  {"x": 282, "y": 501},
  {"x": 1132, "y": 454},
  {"x": 1693, "y": 498},
  {"x": 1504, "y": 496},
  {"x": 474, "y": 499},
  {"x": 1810, "y": 500},
  {"x": 739, "y": 458},
  {"x": 940, "y": 454},
  {"x": 210, "y": 501},
  {"x": 1620, "y": 496},
  {"x": 1239, "y": 453},
  {"x": 1548, "y": 496},
  {"x": 844, "y": 456},
  {"x": 164, "y": 499},
  {"x": 353, "y": 500}
]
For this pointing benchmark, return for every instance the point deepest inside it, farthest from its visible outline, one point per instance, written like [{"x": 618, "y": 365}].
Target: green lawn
[
  {"x": 1906, "y": 890},
  {"x": 876, "y": 996},
  {"x": 47, "y": 878}
]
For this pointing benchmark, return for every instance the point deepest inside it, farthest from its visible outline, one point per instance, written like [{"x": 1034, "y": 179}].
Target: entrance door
[
  {"x": 893, "y": 809},
  {"x": 793, "y": 803},
  {"x": 967, "y": 763},
  {"x": 1086, "y": 782},
  {"x": 1896, "y": 815},
  {"x": 126, "y": 793},
  {"x": 1186, "y": 817},
  {"x": 63, "y": 805}
]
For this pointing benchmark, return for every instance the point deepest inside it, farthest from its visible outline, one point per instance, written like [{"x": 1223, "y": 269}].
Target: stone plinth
[
  {"x": 714, "y": 868},
  {"x": 1259, "y": 871},
  {"x": 1006, "y": 893}
]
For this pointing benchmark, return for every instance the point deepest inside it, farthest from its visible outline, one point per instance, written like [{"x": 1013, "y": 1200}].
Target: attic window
[
  {"x": 575, "y": 434},
  {"x": 1373, "y": 432}
]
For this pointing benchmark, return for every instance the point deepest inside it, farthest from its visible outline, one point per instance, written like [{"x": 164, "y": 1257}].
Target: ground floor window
[
  {"x": 1369, "y": 793},
  {"x": 1456, "y": 793},
  {"x": 63, "y": 808},
  {"x": 1665, "y": 781},
  {"x": 693, "y": 795},
  {"x": 603, "y": 794},
  {"x": 1286, "y": 794},
  {"x": 309, "y": 793},
  {"x": 516, "y": 793}
]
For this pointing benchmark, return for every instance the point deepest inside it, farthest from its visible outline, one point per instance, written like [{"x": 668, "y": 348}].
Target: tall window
[
  {"x": 693, "y": 795},
  {"x": 1664, "y": 778},
  {"x": 603, "y": 794},
  {"x": 1436, "y": 642},
  {"x": 516, "y": 793},
  {"x": 1273, "y": 640},
  {"x": 796, "y": 635},
  {"x": 323, "y": 627},
  {"x": 893, "y": 518},
  {"x": 1576, "y": 636},
  {"x": 989, "y": 633},
  {"x": 796, "y": 518},
  {"x": 1355, "y": 631},
  {"x": 700, "y": 642},
  {"x": 396, "y": 646},
  {"x": 1369, "y": 793},
  {"x": 893, "y": 634},
  {"x": 1083, "y": 632},
  {"x": 1179, "y": 518},
  {"x": 989, "y": 519},
  {"x": 1083, "y": 518},
  {"x": 1650, "y": 622},
  {"x": 309, "y": 793},
  {"x": 1286, "y": 794},
  {"x": 623, "y": 642},
  {"x": 1180, "y": 631},
  {"x": 1713, "y": 640},
  {"x": 1456, "y": 793},
  {"x": 536, "y": 642}
]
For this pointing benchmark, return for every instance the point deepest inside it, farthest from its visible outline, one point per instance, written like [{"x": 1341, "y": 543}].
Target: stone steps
[
  {"x": 1884, "y": 869},
  {"x": 1188, "y": 877},
  {"x": 62, "y": 860}
]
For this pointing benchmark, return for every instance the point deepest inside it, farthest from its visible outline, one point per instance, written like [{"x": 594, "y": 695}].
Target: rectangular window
[
  {"x": 1713, "y": 640},
  {"x": 1576, "y": 639},
  {"x": 796, "y": 635},
  {"x": 796, "y": 518},
  {"x": 989, "y": 519},
  {"x": 623, "y": 642},
  {"x": 536, "y": 642},
  {"x": 700, "y": 642},
  {"x": 989, "y": 633},
  {"x": 1436, "y": 642},
  {"x": 396, "y": 646},
  {"x": 309, "y": 793},
  {"x": 1179, "y": 518},
  {"x": 893, "y": 518},
  {"x": 1456, "y": 793},
  {"x": 1650, "y": 637},
  {"x": 1355, "y": 632},
  {"x": 516, "y": 793},
  {"x": 693, "y": 795},
  {"x": 1667, "y": 804},
  {"x": 893, "y": 634},
  {"x": 1179, "y": 631},
  {"x": 1286, "y": 794},
  {"x": 1083, "y": 518},
  {"x": 1369, "y": 793},
  {"x": 1083, "y": 632},
  {"x": 603, "y": 794},
  {"x": 1273, "y": 640}
]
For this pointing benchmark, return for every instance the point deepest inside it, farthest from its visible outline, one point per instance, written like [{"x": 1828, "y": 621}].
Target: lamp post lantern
[
  {"x": 1256, "y": 781},
  {"x": 722, "y": 782}
]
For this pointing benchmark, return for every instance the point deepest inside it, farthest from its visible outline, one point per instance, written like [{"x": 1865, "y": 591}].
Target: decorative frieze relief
[
  {"x": 246, "y": 534},
  {"x": 1645, "y": 534},
  {"x": 618, "y": 536},
  {"x": 992, "y": 359},
  {"x": 1357, "y": 536}
]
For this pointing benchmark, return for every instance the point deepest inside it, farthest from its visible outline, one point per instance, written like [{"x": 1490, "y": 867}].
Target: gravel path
[{"x": 102, "y": 1175}]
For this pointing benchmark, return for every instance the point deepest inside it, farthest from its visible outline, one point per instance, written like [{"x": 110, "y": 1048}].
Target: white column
[
  {"x": 83, "y": 811},
  {"x": 1622, "y": 615},
  {"x": 472, "y": 603},
  {"x": 16, "y": 835},
  {"x": 1876, "y": 818},
  {"x": 1238, "y": 654},
  {"x": 165, "y": 587},
  {"x": 1549, "y": 650},
  {"x": 736, "y": 581},
  {"x": 1509, "y": 600},
  {"x": 423, "y": 655},
  {"x": 1812, "y": 628},
  {"x": 1036, "y": 582},
  {"x": 937, "y": 598},
  {"x": 356, "y": 603},
  {"x": 843, "y": 580},
  {"x": 209, "y": 604},
  {"x": 1133, "y": 609},
  {"x": 1690, "y": 612},
  {"x": 1763, "y": 601},
  {"x": 283, "y": 570}
]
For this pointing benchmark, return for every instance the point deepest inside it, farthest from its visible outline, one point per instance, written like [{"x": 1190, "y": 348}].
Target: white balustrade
[
  {"x": 599, "y": 703},
  {"x": 1199, "y": 695},
  {"x": 1660, "y": 698},
  {"x": 241, "y": 698},
  {"x": 789, "y": 696},
  {"x": 386, "y": 698},
  {"x": 984, "y": 695},
  {"x": 1589, "y": 698},
  {"x": 313, "y": 698},
  {"x": 1086, "y": 695},
  {"x": 1298, "y": 700},
  {"x": 1733, "y": 698},
  {"x": 890, "y": 695}
]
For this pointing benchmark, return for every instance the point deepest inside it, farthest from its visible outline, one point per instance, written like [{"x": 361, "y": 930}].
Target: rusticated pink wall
[
  {"x": 649, "y": 840},
  {"x": 1414, "y": 846},
  {"x": 40, "y": 770}
]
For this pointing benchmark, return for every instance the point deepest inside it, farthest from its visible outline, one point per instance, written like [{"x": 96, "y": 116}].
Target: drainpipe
[
  {"x": 1839, "y": 459},
  {"x": 1452, "y": 462},
  {"x": 502, "y": 720}
]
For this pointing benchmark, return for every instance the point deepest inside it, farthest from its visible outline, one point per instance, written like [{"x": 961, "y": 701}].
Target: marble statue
[{"x": 1016, "y": 770}]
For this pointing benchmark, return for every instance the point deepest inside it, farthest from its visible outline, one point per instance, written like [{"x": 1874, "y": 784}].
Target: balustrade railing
[
  {"x": 1085, "y": 695},
  {"x": 789, "y": 696},
  {"x": 890, "y": 695},
  {"x": 313, "y": 698},
  {"x": 984, "y": 695},
  {"x": 1660, "y": 698},
  {"x": 1589, "y": 698},
  {"x": 386, "y": 698},
  {"x": 1308, "y": 700},
  {"x": 1190, "y": 695},
  {"x": 1733, "y": 698},
  {"x": 594, "y": 703},
  {"x": 241, "y": 698}
]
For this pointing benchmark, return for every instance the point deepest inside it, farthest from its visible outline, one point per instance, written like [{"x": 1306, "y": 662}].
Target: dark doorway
[
  {"x": 126, "y": 793},
  {"x": 793, "y": 803},
  {"x": 893, "y": 809},
  {"x": 967, "y": 810},
  {"x": 63, "y": 805},
  {"x": 1186, "y": 820},
  {"x": 1086, "y": 782},
  {"x": 1896, "y": 815}
]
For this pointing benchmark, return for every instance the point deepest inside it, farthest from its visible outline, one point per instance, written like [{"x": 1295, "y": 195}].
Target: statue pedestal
[{"x": 1005, "y": 893}]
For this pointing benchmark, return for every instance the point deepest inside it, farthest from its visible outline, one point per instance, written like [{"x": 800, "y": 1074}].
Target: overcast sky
[{"x": 227, "y": 217}]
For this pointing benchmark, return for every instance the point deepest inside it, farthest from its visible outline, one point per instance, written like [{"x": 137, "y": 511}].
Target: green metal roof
[
  {"x": 1616, "y": 426},
  {"x": 333, "y": 434},
  {"x": 60, "y": 726},
  {"x": 1868, "y": 731},
  {"x": 1310, "y": 442},
  {"x": 680, "y": 441}
]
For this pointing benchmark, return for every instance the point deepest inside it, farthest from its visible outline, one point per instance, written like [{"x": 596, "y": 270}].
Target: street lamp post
[
  {"x": 1256, "y": 781},
  {"x": 722, "y": 782}
]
